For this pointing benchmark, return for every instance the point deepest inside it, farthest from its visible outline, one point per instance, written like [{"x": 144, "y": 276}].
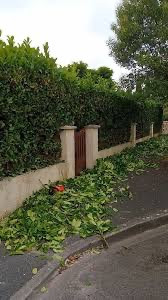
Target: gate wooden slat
[{"x": 80, "y": 151}]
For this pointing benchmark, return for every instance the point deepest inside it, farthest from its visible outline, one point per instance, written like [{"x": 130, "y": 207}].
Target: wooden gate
[{"x": 80, "y": 151}]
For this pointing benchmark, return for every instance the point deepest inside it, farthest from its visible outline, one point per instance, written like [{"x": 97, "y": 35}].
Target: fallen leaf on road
[
  {"x": 43, "y": 289},
  {"x": 34, "y": 271}
]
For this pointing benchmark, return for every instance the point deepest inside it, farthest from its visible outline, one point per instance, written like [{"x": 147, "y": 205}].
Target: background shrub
[{"x": 37, "y": 97}]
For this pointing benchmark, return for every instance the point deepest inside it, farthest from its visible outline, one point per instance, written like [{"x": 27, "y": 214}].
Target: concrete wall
[
  {"x": 14, "y": 190},
  {"x": 113, "y": 150},
  {"x": 145, "y": 138},
  {"x": 117, "y": 149}
]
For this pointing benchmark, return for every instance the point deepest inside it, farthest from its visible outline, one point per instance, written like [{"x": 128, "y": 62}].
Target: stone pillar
[
  {"x": 67, "y": 136},
  {"x": 91, "y": 145},
  {"x": 165, "y": 127},
  {"x": 133, "y": 134},
  {"x": 151, "y": 130}
]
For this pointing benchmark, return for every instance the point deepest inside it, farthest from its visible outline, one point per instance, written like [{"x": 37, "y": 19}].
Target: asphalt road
[
  {"x": 16, "y": 270},
  {"x": 150, "y": 191},
  {"x": 136, "y": 268}
]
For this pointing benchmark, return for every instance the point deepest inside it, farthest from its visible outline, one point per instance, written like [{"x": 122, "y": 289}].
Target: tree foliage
[
  {"x": 105, "y": 72},
  {"x": 81, "y": 70},
  {"x": 141, "y": 44}
]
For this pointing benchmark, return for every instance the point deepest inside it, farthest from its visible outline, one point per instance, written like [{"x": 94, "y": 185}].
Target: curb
[{"x": 82, "y": 245}]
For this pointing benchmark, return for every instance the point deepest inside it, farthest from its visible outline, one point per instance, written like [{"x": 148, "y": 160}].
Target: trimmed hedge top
[{"x": 37, "y": 98}]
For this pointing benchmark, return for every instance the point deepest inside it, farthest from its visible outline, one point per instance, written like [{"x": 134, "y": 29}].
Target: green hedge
[{"x": 37, "y": 97}]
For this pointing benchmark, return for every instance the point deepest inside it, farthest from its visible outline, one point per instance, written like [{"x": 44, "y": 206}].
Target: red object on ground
[{"x": 58, "y": 188}]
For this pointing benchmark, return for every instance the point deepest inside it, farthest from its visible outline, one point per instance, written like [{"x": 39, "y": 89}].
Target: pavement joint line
[{"x": 85, "y": 244}]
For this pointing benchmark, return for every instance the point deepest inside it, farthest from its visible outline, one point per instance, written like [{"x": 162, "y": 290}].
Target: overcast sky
[{"x": 75, "y": 29}]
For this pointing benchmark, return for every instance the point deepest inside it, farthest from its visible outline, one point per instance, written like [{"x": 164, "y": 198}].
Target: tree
[
  {"x": 141, "y": 44},
  {"x": 127, "y": 82},
  {"x": 81, "y": 71},
  {"x": 80, "y": 68},
  {"x": 105, "y": 72}
]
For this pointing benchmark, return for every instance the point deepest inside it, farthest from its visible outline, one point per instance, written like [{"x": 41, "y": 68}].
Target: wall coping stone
[
  {"x": 92, "y": 126},
  {"x": 67, "y": 127}
]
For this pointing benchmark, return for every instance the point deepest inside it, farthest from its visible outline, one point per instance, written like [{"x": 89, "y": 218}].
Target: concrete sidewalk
[{"x": 150, "y": 192}]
